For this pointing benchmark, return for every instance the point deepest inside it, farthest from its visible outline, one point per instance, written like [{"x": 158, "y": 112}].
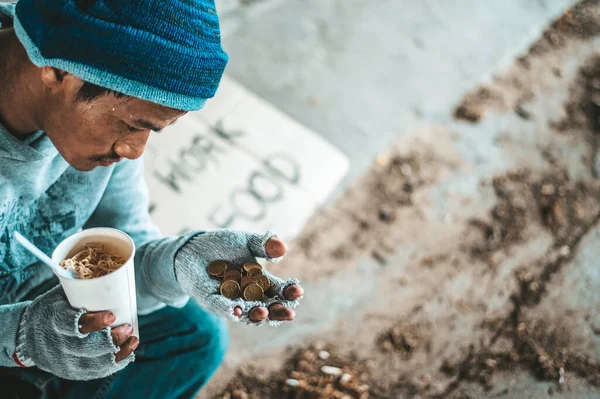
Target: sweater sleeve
[
  {"x": 10, "y": 315},
  {"x": 124, "y": 206}
]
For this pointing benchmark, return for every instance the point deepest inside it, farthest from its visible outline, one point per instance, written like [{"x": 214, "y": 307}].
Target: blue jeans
[{"x": 179, "y": 351}]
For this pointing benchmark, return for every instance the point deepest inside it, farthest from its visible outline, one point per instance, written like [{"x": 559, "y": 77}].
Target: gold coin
[
  {"x": 232, "y": 275},
  {"x": 230, "y": 289},
  {"x": 246, "y": 281},
  {"x": 255, "y": 272},
  {"x": 217, "y": 268},
  {"x": 251, "y": 265},
  {"x": 253, "y": 292},
  {"x": 264, "y": 282}
]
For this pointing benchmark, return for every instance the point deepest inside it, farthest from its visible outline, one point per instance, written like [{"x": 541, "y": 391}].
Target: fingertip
[
  {"x": 109, "y": 318},
  {"x": 279, "y": 312},
  {"x": 127, "y": 348},
  {"x": 293, "y": 292},
  {"x": 121, "y": 334},
  {"x": 237, "y": 312},
  {"x": 275, "y": 248},
  {"x": 258, "y": 313}
]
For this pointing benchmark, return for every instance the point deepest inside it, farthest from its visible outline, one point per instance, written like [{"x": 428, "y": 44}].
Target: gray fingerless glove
[
  {"x": 49, "y": 338},
  {"x": 236, "y": 247}
]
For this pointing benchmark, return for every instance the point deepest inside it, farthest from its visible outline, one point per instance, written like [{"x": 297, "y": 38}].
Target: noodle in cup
[{"x": 111, "y": 288}]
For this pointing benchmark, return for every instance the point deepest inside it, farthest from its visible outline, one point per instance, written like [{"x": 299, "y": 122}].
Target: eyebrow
[{"x": 146, "y": 124}]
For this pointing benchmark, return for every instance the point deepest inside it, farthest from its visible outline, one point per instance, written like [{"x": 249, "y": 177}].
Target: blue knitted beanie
[{"x": 163, "y": 51}]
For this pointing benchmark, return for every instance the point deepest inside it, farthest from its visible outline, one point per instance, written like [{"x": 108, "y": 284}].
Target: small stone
[
  {"x": 554, "y": 38},
  {"x": 557, "y": 72},
  {"x": 385, "y": 216},
  {"x": 491, "y": 363},
  {"x": 406, "y": 169},
  {"x": 324, "y": 355},
  {"x": 292, "y": 382},
  {"x": 239, "y": 395},
  {"x": 427, "y": 261},
  {"x": 468, "y": 113},
  {"x": 382, "y": 160},
  {"x": 561, "y": 380},
  {"x": 345, "y": 378},
  {"x": 522, "y": 112},
  {"x": 379, "y": 258},
  {"x": 331, "y": 370},
  {"x": 564, "y": 250},
  {"x": 426, "y": 378},
  {"x": 548, "y": 189}
]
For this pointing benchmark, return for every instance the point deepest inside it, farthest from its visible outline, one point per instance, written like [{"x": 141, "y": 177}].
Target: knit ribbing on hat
[{"x": 167, "y": 52}]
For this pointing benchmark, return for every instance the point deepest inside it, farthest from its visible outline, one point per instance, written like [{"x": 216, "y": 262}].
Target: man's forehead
[{"x": 152, "y": 116}]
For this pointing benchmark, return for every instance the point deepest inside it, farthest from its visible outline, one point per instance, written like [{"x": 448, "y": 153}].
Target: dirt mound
[
  {"x": 474, "y": 105},
  {"x": 580, "y": 22},
  {"x": 402, "y": 339},
  {"x": 314, "y": 372},
  {"x": 583, "y": 106},
  {"x": 536, "y": 346},
  {"x": 509, "y": 217},
  {"x": 564, "y": 204},
  {"x": 552, "y": 200},
  {"x": 582, "y": 120}
]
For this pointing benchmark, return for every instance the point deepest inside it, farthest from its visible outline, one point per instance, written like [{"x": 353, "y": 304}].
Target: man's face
[{"x": 104, "y": 130}]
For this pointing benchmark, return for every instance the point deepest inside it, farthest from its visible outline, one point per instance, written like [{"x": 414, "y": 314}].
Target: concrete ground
[{"x": 460, "y": 257}]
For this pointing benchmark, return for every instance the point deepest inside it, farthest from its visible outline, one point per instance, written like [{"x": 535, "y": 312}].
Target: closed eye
[
  {"x": 133, "y": 129},
  {"x": 145, "y": 125}
]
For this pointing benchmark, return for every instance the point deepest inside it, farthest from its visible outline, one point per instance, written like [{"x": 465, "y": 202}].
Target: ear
[
  {"x": 52, "y": 77},
  {"x": 58, "y": 80}
]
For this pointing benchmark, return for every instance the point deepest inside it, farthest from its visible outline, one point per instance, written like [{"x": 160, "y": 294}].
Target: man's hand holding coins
[{"x": 219, "y": 270}]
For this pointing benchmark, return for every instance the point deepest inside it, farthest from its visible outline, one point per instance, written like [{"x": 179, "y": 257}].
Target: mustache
[{"x": 106, "y": 157}]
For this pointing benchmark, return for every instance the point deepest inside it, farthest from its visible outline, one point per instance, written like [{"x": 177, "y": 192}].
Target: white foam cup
[{"x": 115, "y": 291}]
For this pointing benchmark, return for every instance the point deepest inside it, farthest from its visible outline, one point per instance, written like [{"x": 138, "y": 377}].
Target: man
[{"x": 83, "y": 82}]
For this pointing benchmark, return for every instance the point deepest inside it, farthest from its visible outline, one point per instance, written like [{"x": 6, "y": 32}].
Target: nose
[{"x": 132, "y": 147}]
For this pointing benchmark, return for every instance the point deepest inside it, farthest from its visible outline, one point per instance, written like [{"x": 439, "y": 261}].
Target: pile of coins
[{"x": 248, "y": 282}]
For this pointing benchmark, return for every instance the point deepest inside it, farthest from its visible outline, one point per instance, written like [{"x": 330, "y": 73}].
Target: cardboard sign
[{"x": 239, "y": 163}]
